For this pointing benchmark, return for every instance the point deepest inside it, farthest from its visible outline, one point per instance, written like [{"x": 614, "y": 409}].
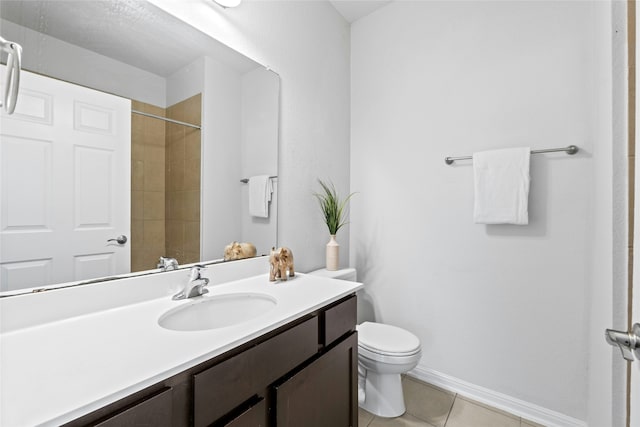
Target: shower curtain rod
[
  {"x": 178, "y": 122},
  {"x": 572, "y": 149}
]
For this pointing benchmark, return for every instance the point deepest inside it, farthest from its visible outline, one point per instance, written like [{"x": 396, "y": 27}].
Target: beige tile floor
[{"x": 430, "y": 406}]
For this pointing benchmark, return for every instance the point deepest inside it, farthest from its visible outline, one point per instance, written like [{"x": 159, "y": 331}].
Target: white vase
[{"x": 333, "y": 254}]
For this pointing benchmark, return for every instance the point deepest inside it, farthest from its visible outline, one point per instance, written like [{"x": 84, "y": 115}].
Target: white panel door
[
  {"x": 64, "y": 184},
  {"x": 635, "y": 316},
  {"x": 634, "y": 388},
  {"x": 635, "y": 303}
]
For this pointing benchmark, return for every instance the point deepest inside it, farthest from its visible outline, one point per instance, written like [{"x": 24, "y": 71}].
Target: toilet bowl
[{"x": 384, "y": 352}]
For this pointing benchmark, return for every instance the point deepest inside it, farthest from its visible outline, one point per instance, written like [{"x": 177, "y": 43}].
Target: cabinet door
[{"x": 324, "y": 393}]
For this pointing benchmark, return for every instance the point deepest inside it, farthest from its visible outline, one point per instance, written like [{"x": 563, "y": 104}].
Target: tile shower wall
[
  {"x": 165, "y": 184},
  {"x": 147, "y": 187},
  {"x": 182, "y": 182}
]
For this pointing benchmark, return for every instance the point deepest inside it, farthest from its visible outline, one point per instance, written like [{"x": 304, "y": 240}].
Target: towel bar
[
  {"x": 572, "y": 149},
  {"x": 246, "y": 180}
]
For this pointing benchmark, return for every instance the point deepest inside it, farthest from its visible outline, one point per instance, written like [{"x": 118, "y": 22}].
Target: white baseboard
[{"x": 517, "y": 407}]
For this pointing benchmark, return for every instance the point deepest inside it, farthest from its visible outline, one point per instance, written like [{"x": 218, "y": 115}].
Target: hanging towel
[
  {"x": 260, "y": 189},
  {"x": 501, "y": 183}
]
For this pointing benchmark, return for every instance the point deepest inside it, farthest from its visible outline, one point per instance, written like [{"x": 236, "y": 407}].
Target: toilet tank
[{"x": 343, "y": 274}]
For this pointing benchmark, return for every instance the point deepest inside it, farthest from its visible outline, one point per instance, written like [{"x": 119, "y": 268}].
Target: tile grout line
[
  {"x": 370, "y": 421},
  {"x": 450, "y": 409}
]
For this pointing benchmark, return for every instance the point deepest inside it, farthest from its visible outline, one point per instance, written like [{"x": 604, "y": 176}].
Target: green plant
[{"x": 333, "y": 209}]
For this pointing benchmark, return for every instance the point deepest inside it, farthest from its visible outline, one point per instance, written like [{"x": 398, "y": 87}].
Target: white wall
[
  {"x": 501, "y": 308},
  {"x": 220, "y": 206},
  {"x": 188, "y": 81},
  {"x": 47, "y": 55},
  {"x": 260, "y": 93},
  {"x": 307, "y": 44}
]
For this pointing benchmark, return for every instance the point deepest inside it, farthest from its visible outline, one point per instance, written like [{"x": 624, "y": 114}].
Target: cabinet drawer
[
  {"x": 153, "y": 411},
  {"x": 339, "y": 320},
  {"x": 223, "y": 387},
  {"x": 282, "y": 353}
]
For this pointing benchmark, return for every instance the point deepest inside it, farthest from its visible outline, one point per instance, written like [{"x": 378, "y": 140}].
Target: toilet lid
[{"x": 386, "y": 339}]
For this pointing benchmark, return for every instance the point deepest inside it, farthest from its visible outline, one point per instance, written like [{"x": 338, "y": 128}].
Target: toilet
[{"x": 384, "y": 353}]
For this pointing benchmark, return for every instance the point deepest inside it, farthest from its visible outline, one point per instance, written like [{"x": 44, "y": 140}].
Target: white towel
[
  {"x": 501, "y": 183},
  {"x": 260, "y": 189}
]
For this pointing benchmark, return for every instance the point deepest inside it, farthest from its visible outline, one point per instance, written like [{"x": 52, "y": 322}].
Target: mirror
[{"x": 163, "y": 126}]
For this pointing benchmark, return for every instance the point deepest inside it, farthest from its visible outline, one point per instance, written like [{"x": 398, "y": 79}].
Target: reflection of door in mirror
[
  {"x": 64, "y": 184},
  {"x": 165, "y": 183}
]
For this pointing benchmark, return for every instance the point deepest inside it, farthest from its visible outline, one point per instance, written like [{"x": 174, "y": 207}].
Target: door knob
[
  {"x": 121, "y": 240},
  {"x": 629, "y": 342}
]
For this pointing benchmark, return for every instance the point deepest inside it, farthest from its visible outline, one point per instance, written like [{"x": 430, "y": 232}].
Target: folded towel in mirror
[{"x": 260, "y": 190}]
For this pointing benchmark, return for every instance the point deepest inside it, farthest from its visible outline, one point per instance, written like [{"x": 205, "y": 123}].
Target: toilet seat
[
  {"x": 378, "y": 339},
  {"x": 366, "y": 357}
]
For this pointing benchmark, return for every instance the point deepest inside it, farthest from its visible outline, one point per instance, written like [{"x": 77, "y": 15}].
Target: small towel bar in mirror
[
  {"x": 572, "y": 149},
  {"x": 246, "y": 180}
]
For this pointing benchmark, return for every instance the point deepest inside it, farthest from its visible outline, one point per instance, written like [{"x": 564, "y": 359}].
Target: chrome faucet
[
  {"x": 195, "y": 287},
  {"x": 167, "y": 264}
]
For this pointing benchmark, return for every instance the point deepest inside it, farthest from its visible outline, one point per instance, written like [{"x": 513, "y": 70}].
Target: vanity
[{"x": 294, "y": 364}]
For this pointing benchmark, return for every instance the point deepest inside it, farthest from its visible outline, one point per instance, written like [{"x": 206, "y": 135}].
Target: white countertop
[{"x": 54, "y": 372}]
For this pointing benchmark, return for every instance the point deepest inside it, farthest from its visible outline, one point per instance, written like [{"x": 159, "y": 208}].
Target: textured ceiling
[
  {"x": 130, "y": 31},
  {"x": 137, "y": 33}
]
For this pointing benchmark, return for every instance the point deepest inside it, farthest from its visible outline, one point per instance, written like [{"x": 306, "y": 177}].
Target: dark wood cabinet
[
  {"x": 228, "y": 384},
  {"x": 324, "y": 393},
  {"x": 302, "y": 374}
]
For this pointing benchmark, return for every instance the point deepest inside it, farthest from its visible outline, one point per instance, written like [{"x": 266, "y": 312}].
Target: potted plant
[{"x": 334, "y": 212}]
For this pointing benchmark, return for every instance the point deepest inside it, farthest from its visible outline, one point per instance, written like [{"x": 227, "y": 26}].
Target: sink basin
[{"x": 217, "y": 312}]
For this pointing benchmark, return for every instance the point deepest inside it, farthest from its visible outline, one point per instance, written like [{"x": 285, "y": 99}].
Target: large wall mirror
[{"x": 129, "y": 122}]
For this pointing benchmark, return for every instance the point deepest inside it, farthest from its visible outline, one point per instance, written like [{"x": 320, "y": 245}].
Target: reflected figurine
[{"x": 235, "y": 250}]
